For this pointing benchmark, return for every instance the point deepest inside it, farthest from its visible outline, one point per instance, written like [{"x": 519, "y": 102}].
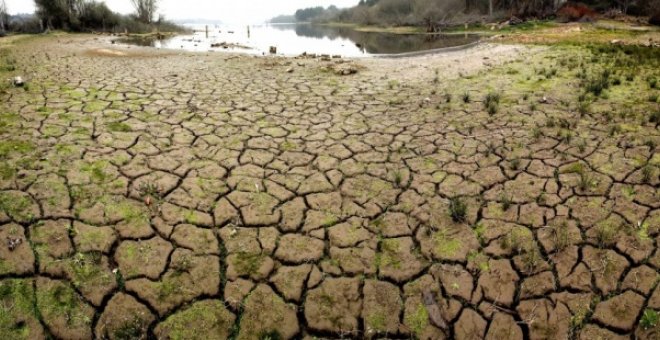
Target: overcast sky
[{"x": 231, "y": 11}]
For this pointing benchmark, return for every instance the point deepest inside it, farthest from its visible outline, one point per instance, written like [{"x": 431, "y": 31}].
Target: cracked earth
[{"x": 151, "y": 194}]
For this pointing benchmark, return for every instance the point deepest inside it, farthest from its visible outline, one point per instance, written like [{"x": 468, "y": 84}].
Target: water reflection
[{"x": 294, "y": 39}]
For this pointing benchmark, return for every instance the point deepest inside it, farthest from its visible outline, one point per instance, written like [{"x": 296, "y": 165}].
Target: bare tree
[
  {"x": 625, "y": 4},
  {"x": 145, "y": 9},
  {"x": 433, "y": 13},
  {"x": 3, "y": 14}
]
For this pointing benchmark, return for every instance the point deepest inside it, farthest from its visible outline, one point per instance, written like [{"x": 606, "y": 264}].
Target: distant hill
[
  {"x": 311, "y": 14},
  {"x": 283, "y": 19},
  {"x": 198, "y": 21},
  {"x": 23, "y": 23},
  {"x": 22, "y": 16}
]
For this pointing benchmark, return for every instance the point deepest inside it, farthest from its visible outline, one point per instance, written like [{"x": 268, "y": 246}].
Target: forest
[
  {"x": 434, "y": 13},
  {"x": 86, "y": 16}
]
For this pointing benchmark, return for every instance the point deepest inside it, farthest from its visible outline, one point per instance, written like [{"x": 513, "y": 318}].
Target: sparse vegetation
[
  {"x": 466, "y": 97},
  {"x": 649, "y": 319},
  {"x": 457, "y": 209},
  {"x": 242, "y": 187},
  {"x": 119, "y": 127}
]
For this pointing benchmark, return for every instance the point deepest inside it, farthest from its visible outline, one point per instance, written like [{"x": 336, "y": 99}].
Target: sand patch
[{"x": 104, "y": 52}]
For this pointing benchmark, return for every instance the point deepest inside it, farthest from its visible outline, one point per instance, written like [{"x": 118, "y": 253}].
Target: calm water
[{"x": 294, "y": 39}]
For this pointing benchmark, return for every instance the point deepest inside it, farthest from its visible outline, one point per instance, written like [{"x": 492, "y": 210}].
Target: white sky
[{"x": 229, "y": 11}]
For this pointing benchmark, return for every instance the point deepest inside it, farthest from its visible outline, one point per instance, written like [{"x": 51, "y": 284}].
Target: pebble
[{"x": 18, "y": 81}]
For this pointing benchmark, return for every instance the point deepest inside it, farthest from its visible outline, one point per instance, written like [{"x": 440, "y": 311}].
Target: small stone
[
  {"x": 18, "y": 81},
  {"x": 13, "y": 242},
  {"x": 433, "y": 310}
]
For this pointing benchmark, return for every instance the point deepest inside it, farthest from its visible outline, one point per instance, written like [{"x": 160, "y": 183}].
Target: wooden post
[{"x": 207, "y": 31}]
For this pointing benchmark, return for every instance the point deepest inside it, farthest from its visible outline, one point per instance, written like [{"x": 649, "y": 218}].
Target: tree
[
  {"x": 145, "y": 9},
  {"x": 625, "y": 4},
  {"x": 3, "y": 15},
  {"x": 53, "y": 12},
  {"x": 97, "y": 15},
  {"x": 432, "y": 13}
]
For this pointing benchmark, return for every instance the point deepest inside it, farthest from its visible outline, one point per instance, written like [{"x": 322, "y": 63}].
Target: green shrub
[{"x": 457, "y": 209}]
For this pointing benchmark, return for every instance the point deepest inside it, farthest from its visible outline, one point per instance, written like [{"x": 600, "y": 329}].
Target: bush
[
  {"x": 457, "y": 209},
  {"x": 97, "y": 15},
  {"x": 654, "y": 10},
  {"x": 92, "y": 15},
  {"x": 576, "y": 12}
]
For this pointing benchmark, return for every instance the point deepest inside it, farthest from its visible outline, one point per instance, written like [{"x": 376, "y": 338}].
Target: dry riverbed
[{"x": 500, "y": 192}]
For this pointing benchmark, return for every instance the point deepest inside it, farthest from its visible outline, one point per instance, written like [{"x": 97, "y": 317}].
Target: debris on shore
[
  {"x": 227, "y": 45},
  {"x": 18, "y": 81}
]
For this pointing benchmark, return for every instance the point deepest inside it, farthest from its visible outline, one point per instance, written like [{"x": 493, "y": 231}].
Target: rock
[
  {"x": 13, "y": 242},
  {"x": 18, "y": 81},
  {"x": 433, "y": 310},
  {"x": 515, "y": 21},
  {"x": 348, "y": 71},
  {"x": 272, "y": 50},
  {"x": 289, "y": 70}
]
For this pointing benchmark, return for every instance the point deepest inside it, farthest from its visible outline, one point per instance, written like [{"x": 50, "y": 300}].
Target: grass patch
[
  {"x": 389, "y": 255},
  {"x": 60, "y": 300},
  {"x": 247, "y": 263},
  {"x": 119, "y": 127},
  {"x": 649, "y": 319},
  {"x": 9, "y": 147},
  {"x": 17, "y": 301},
  {"x": 445, "y": 246},
  {"x": 417, "y": 320},
  {"x": 457, "y": 209}
]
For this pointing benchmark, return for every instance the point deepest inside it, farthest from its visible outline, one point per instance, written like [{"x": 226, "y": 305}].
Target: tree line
[
  {"x": 433, "y": 13},
  {"x": 86, "y": 15}
]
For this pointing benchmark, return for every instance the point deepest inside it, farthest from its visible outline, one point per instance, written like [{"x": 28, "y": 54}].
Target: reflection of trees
[{"x": 378, "y": 43}]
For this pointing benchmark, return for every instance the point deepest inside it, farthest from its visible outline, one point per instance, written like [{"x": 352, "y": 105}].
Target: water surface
[{"x": 295, "y": 39}]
